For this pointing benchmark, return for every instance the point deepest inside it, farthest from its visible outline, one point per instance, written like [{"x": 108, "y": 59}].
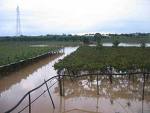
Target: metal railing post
[
  {"x": 29, "y": 103},
  {"x": 63, "y": 86},
  {"x": 97, "y": 86},
  {"x": 60, "y": 85},
  {"x": 49, "y": 94},
  {"x": 143, "y": 92},
  {"x": 143, "y": 86}
]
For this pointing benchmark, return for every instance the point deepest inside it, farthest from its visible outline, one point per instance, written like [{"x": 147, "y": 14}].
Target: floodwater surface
[
  {"x": 123, "y": 95},
  {"x": 124, "y": 44},
  {"x": 14, "y": 86}
]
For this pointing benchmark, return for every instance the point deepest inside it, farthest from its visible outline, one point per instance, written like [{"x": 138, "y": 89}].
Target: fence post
[
  {"x": 143, "y": 86},
  {"x": 29, "y": 103},
  {"x": 133, "y": 78},
  {"x": 129, "y": 77},
  {"x": 110, "y": 78},
  {"x": 49, "y": 94},
  {"x": 143, "y": 91},
  {"x": 147, "y": 76},
  {"x": 63, "y": 86},
  {"x": 60, "y": 85},
  {"x": 97, "y": 86}
]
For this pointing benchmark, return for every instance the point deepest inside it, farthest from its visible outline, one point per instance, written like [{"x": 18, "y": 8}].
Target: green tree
[
  {"x": 142, "y": 45},
  {"x": 86, "y": 40},
  {"x": 97, "y": 37},
  {"x": 116, "y": 43}
]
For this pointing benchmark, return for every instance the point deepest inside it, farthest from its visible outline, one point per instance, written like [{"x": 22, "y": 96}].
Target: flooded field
[
  {"x": 124, "y": 44},
  {"x": 15, "y": 85},
  {"x": 123, "y": 95}
]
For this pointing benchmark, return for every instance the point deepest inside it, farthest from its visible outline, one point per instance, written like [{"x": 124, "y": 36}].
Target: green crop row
[
  {"x": 11, "y": 52},
  {"x": 100, "y": 58}
]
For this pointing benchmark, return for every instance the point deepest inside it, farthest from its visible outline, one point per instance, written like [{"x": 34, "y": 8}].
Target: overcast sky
[{"x": 39, "y": 17}]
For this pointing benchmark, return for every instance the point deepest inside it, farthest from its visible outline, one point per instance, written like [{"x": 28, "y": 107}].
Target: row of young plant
[
  {"x": 11, "y": 53},
  {"x": 101, "y": 58}
]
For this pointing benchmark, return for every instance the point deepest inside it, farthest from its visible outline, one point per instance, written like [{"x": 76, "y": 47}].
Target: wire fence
[{"x": 58, "y": 78}]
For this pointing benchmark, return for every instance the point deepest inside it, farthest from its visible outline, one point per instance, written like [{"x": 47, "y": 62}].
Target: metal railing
[
  {"x": 59, "y": 78},
  {"x": 28, "y": 94}
]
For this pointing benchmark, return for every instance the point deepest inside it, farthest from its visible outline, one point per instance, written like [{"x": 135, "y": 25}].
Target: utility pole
[{"x": 18, "y": 25}]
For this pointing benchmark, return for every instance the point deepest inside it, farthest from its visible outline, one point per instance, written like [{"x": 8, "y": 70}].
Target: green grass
[
  {"x": 94, "y": 58},
  {"x": 14, "y": 51}
]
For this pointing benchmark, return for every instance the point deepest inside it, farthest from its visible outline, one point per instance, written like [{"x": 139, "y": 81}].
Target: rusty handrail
[
  {"x": 57, "y": 77},
  {"x": 28, "y": 93}
]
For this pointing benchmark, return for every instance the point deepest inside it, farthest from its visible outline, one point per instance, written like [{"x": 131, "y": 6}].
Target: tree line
[{"x": 87, "y": 38}]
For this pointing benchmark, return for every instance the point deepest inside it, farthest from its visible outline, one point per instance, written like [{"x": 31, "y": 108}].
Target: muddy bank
[{"x": 7, "y": 69}]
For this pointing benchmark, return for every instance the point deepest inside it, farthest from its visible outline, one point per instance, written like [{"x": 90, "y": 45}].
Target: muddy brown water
[
  {"x": 14, "y": 86},
  {"x": 122, "y": 96}
]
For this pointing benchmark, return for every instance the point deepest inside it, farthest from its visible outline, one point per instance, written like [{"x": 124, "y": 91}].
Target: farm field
[
  {"x": 74, "y": 56},
  {"x": 100, "y": 58},
  {"x": 121, "y": 93},
  {"x": 14, "y": 51}
]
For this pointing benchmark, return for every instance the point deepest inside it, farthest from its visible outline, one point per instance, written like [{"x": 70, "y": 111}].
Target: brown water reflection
[
  {"x": 122, "y": 96},
  {"x": 16, "y": 76},
  {"x": 14, "y": 86}
]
